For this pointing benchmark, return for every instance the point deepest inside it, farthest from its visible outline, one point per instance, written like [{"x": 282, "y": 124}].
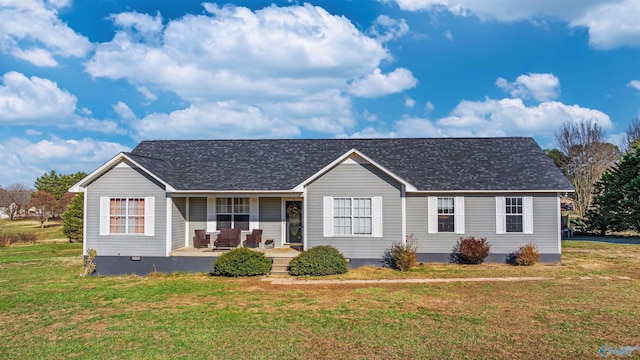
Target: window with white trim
[
  {"x": 446, "y": 214},
  {"x": 232, "y": 213},
  {"x": 513, "y": 214},
  {"x": 353, "y": 216},
  {"x": 127, "y": 216}
]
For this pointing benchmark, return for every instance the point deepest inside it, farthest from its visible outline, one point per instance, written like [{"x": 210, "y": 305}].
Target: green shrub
[
  {"x": 525, "y": 256},
  {"x": 319, "y": 261},
  {"x": 469, "y": 250},
  {"x": 401, "y": 256},
  {"x": 242, "y": 262}
]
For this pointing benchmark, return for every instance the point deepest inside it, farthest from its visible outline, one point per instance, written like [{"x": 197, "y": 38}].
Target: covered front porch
[
  {"x": 281, "y": 252},
  {"x": 208, "y": 224}
]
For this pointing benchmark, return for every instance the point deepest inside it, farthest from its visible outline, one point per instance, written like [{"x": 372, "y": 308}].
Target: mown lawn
[
  {"x": 48, "y": 311},
  {"x": 52, "y": 230}
]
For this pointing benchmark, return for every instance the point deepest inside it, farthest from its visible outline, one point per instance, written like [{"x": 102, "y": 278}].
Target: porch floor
[{"x": 284, "y": 252}]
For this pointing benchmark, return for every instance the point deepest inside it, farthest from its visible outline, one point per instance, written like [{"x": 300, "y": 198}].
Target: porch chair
[
  {"x": 228, "y": 238},
  {"x": 254, "y": 239},
  {"x": 202, "y": 239}
]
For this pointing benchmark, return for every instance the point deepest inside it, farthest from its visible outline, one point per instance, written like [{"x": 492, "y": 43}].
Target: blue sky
[{"x": 81, "y": 81}]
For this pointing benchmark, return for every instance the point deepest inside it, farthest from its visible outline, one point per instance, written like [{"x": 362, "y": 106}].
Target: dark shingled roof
[{"x": 447, "y": 164}]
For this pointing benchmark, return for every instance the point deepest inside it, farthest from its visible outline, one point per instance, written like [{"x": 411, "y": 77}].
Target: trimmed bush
[
  {"x": 401, "y": 256},
  {"x": 242, "y": 262},
  {"x": 525, "y": 256},
  {"x": 469, "y": 250},
  {"x": 319, "y": 261}
]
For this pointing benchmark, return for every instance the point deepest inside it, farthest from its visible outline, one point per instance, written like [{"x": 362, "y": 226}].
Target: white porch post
[
  {"x": 169, "y": 224},
  {"x": 186, "y": 222}
]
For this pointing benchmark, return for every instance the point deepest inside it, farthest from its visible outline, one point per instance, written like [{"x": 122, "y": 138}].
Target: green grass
[
  {"x": 48, "y": 311},
  {"x": 52, "y": 229}
]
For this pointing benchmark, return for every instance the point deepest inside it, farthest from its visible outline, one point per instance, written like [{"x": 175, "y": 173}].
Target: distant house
[{"x": 359, "y": 195}]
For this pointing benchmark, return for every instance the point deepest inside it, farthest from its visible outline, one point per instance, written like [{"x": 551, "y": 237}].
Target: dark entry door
[{"x": 294, "y": 221}]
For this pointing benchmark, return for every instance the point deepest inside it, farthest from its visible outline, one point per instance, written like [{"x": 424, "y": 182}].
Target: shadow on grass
[{"x": 606, "y": 239}]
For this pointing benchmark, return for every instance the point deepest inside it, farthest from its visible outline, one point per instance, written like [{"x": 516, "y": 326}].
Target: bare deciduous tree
[
  {"x": 632, "y": 135},
  {"x": 588, "y": 156},
  {"x": 15, "y": 198}
]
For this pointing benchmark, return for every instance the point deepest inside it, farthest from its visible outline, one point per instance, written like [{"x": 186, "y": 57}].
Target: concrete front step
[{"x": 280, "y": 266}]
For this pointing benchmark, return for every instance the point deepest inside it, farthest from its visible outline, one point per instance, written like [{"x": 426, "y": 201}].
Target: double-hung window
[
  {"x": 232, "y": 213},
  {"x": 514, "y": 214},
  {"x": 446, "y": 217},
  {"x": 446, "y": 214},
  {"x": 353, "y": 216},
  {"x": 124, "y": 215}
]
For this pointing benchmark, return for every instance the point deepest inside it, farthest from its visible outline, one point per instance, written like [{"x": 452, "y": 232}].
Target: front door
[{"x": 293, "y": 209}]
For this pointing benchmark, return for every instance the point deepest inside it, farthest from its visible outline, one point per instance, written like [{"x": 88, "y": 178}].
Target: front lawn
[
  {"x": 52, "y": 230},
  {"x": 48, "y": 311}
]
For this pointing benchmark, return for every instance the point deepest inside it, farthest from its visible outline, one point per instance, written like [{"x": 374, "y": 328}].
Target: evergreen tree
[
  {"x": 617, "y": 197},
  {"x": 72, "y": 219}
]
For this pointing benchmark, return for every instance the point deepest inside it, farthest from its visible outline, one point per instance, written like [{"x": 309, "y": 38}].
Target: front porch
[{"x": 283, "y": 252}]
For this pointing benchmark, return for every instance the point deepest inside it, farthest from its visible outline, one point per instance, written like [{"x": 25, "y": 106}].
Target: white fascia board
[
  {"x": 80, "y": 185},
  {"x": 236, "y": 193},
  {"x": 342, "y": 158},
  {"x": 487, "y": 191}
]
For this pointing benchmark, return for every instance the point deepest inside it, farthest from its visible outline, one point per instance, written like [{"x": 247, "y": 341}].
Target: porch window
[
  {"x": 349, "y": 216},
  {"x": 232, "y": 213}
]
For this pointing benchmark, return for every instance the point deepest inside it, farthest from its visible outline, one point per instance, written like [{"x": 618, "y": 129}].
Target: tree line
[
  {"x": 606, "y": 178},
  {"x": 50, "y": 199}
]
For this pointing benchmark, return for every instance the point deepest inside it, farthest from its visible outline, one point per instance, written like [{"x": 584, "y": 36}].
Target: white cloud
[
  {"x": 253, "y": 60},
  {"x": 232, "y": 52},
  {"x": 510, "y": 116},
  {"x": 611, "y": 23},
  {"x": 124, "y": 111},
  {"x": 634, "y": 84},
  {"x": 31, "y": 30},
  {"x": 226, "y": 120},
  {"x": 428, "y": 107},
  {"x": 385, "y": 29},
  {"x": 148, "y": 94},
  {"x": 491, "y": 117},
  {"x": 448, "y": 35},
  {"x": 32, "y": 132},
  {"x": 38, "y": 101},
  {"x": 409, "y": 102},
  {"x": 540, "y": 87},
  {"x": 38, "y": 57},
  {"x": 22, "y": 161},
  {"x": 379, "y": 84},
  {"x": 33, "y": 101}
]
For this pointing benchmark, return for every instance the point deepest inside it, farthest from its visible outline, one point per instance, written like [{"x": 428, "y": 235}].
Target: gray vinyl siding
[
  {"x": 197, "y": 216},
  {"x": 126, "y": 182},
  {"x": 480, "y": 221},
  {"x": 355, "y": 180},
  {"x": 270, "y": 218},
  {"x": 178, "y": 222}
]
